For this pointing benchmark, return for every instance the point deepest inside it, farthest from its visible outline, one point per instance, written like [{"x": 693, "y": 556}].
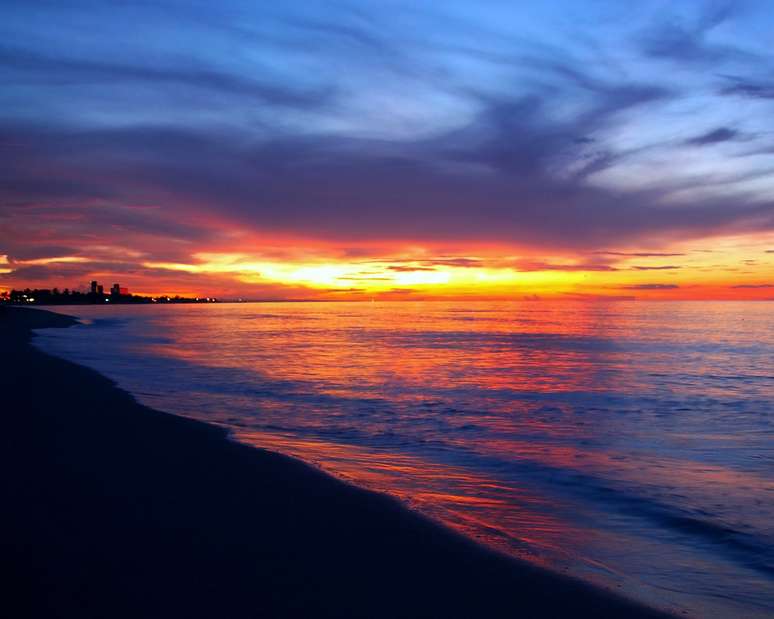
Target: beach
[{"x": 115, "y": 509}]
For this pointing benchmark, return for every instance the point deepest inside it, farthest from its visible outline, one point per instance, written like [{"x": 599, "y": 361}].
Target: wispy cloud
[
  {"x": 715, "y": 136},
  {"x": 640, "y": 254},
  {"x": 651, "y": 287}
]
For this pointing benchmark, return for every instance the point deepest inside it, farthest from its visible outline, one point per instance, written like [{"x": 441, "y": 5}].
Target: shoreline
[{"x": 115, "y": 509}]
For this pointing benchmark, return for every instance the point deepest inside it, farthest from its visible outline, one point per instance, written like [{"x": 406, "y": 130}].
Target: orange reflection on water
[{"x": 463, "y": 500}]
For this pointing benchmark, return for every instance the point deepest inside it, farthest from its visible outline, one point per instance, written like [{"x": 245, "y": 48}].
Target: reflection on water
[{"x": 630, "y": 444}]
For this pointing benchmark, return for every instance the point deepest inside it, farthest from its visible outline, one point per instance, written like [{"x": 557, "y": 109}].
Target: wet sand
[{"x": 112, "y": 509}]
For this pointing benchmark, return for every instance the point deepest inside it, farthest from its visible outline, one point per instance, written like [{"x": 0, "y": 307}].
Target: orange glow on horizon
[{"x": 735, "y": 268}]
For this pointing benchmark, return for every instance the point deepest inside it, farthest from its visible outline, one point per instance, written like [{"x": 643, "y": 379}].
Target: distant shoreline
[
  {"x": 116, "y": 510},
  {"x": 53, "y": 297}
]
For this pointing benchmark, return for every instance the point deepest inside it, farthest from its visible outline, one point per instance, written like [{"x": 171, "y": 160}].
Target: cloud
[
  {"x": 527, "y": 265},
  {"x": 24, "y": 67},
  {"x": 454, "y": 262},
  {"x": 748, "y": 87},
  {"x": 686, "y": 41},
  {"x": 409, "y": 269},
  {"x": 598, "y": 297},
  {"x": 346, "y": 290},
  {"x": 500, "y": 179},
  {"x": 651, "y": 287},
  {"x": 753, "y": 286},
  {"x": 34, "y": 252},
  {"x": 650, "y": 254},
  {"x": 655, "y": 268},
  {"x": 716, "y": 136}
]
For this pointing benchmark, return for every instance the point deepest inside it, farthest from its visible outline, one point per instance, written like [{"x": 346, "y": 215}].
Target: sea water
[{"x": 630, "y": 444}]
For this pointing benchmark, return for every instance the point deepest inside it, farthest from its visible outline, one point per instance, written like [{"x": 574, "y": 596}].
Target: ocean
[{"x": 630, "y": 444}]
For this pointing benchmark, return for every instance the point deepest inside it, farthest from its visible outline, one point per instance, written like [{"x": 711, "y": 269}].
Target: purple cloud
[{"x": 752, "y": 286}]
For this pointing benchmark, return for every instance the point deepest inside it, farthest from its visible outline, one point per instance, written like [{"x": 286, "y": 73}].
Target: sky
[{"x": 390, "y": 150}]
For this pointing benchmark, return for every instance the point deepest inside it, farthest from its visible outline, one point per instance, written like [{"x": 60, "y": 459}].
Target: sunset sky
[{"x": 357, "y": 150}]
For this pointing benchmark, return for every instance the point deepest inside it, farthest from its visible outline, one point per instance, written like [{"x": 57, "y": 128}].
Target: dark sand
[{"x": 111, "y": 509}]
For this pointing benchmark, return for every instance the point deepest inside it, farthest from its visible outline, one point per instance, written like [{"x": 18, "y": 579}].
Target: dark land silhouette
[
  {"x": 112, "y": 509},
  {"x": 95, "y": 295}
]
